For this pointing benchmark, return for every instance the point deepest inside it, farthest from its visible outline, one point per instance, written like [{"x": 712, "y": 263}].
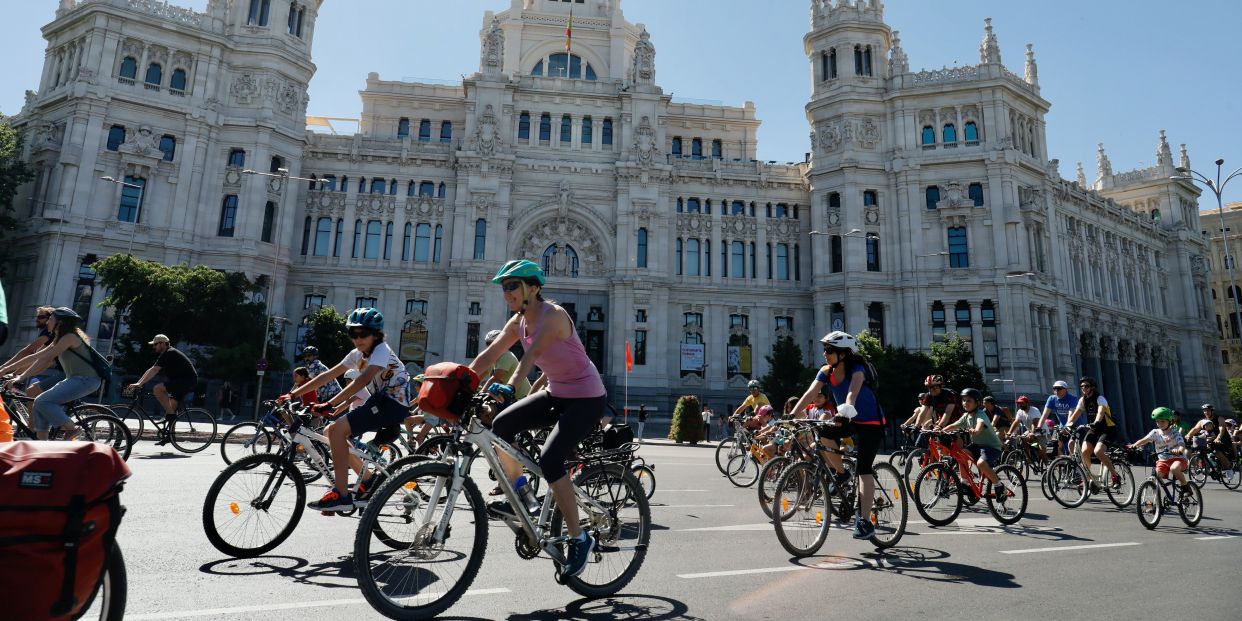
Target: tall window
[
  {"x": 306, "y": 233},
  {"x": 693, "y": 205},
  {"x": 440, "y": 190},
  {"x": 834, "y": 200},
  {"x": 797, "y": 262},
  {"x": 323, "y": 233},
  {"x": 260, "y": 10},
  {"x": 975, "y": 192},
  {"x": 177, "y": 82},
  {"x": 435, "y": 249},
  {"x": 717, "y": 149},
  {"x": 567, "y": 130},
  {"x": 269, "y": 220},
  {"x": 132, "y": 198},
  {"x": 837, "y": 257},
  {"x": 873, "y": 252},
  {"x": 446, "y": 132},
  {"x": 586, "y": 130},
  {"x": 933, "y": 196},
  {"x": 738, "y": 267},
  {"x": 155, "y": 74},
  {"x": 782, "y": 261},
  {"x": 403, "y": 127},
  {"x": 237, "y": 158},
  {"x": 869, "y": 198},
  {"x": 276, "y": 164},
  {"x": 961, "y": 317},
  {"x": 424, "y": 131},
  {"x": 753, "y": 264},
  {"x": 959, "y": 251},
  {"x": 388, "y": 241},
  {"x": 378, "y": 186},
  {"x": 676, "y": 146},
  {"x": 228, "y": 216},
  {"x": 867, "y": 61},
  {"x": 427, "y": 188},
  {"x": 422, "y": 242},
  {"x": 836, "y": 317},
  {"x": 640, "y": 347},
  {"x": 545, "y": 127},
  {"x": 875, "y": 320},
  {"x": 524, "y": 126},
  {"x": 357, "y": 248},
  {"x": 372, "y": 248},
  {"x": 129, "y": 68},
  {"x": 692, "y": 257},
  {"x": 972, "y": 132},
  {"x": 929, "y": 136},
  {"x": 696, "y": 148},
  {"x": 641, "y": 255},
  {"x": 405, "y": 241},
  {"x": 606, "y": 138},
  {"x": 116, "y": 137},
  {"x": 338, "y": 237},
  {"x": 938, "y": 322},
  {"x": 472, "y": 339},
  {"x": 677, "y": 256},
  {"x": 991, "y": 350},
  {"x": 480, "y": 239}
]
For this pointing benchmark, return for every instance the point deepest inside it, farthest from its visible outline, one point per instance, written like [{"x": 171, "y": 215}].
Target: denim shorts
[
  {"x": 376, "y": 413},
  {"x": 990, "y": 455}
]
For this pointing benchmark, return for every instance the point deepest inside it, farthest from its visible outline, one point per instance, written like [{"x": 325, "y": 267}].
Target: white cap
[
  {"x": 159, "y": 338},
  {"x": 1060, "y": 384}
]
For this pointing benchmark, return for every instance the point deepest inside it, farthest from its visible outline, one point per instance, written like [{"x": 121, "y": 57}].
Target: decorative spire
[
  {"x": 1164, "y": 154},
  {"x": 989, "y": 49},
  {"x": 1031, "y": 75},
  {"x": 1185, "y": 159},
  {"x": 1082, "y": 177},
  {"x": 1103, "y": 167},
  {"x": 898, "y": 63}
]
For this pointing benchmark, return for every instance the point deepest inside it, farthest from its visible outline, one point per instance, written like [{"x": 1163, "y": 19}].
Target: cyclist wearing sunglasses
[
  {"x": 573, "y": 402},
  {"x": 380, "y": 372},
  {"x": 1101, "y": 430}
]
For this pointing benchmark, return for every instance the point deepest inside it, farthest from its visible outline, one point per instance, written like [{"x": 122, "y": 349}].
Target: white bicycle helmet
[
  {"x": 840, "y": 340},
  {"x": 491, "y": 337},
  {"x": 752, "y": 384}
]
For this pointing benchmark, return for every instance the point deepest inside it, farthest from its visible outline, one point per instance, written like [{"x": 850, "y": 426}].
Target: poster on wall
[
  {"x": 739, "y": 359},
  {"x": 414, "y": 344},
  {"x": 691, "y": 356}
]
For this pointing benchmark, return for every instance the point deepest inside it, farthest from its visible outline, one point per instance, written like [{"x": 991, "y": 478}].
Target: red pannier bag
[
  {"x": 446, "y": 390},
  {"x": 59, "y": 511}
]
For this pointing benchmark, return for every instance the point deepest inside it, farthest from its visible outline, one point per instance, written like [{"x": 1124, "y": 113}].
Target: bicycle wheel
[
  {"x": 107, "y": 430},
  {"x": 1044, "y": 485},
  {"x": 1149, "y": 506},
  {"x": 937, "y": 494},
  {"x": 424, "y": 578},
  {"x": 245, "y": 439},
  {"x": 898, "y": 459},
  {"x": 1123, "y": 493},
  {"x": 434, "y": 446},
  {"x": 1234, "y": 481},
  {"x": 133, "y": 418},
  {"x": 769, "y": 474},
  {"x": 645, "y": 476},
  {"x": 742, "y": 470},
  {"x": 1190, "y": 506},
  {"x": 801, "y": 510},
  {"x": 193, "y": 430},
  {"x": 107, "y": 603},
  {"x": 1017, "y": 459},
  {"x": 726, "y": 449},
  {"x": 1012, "y": 506},
  {"x": 1198, "y": 473},
  {"x": 254, "y": 505},
  {"x": 1068, "y": 483},
  {"x": 915, "y": 461},
  {"x": 890, "y": 507},
  {"x": 620, "y": 522}
]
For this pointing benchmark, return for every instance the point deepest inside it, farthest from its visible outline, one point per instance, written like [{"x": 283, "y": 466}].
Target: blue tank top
[{"x": 868, "y": 408}]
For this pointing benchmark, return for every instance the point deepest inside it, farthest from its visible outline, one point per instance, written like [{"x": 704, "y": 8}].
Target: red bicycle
[{"x": 941, "y": 487}]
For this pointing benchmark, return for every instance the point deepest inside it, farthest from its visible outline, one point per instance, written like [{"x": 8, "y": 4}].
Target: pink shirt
[{"x": 571, "y": 374}]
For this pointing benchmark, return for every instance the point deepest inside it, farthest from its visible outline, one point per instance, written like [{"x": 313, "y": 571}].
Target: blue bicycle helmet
[
  {"x": 369, "y": 318},
  {"x": 520, "y": 268}
]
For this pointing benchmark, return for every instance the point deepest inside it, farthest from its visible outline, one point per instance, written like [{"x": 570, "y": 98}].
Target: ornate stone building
[
  {"x": 1223, "y": 291},
  {"x": 924, "y": 191}
]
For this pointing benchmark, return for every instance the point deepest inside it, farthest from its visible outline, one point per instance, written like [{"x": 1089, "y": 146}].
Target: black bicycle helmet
[
  {"x": 973, "y": 393},
  {"x": 1090, "y": 381}
]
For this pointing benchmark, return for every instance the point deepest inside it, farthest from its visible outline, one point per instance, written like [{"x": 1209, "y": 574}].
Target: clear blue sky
[{"x": 1116, "y": 71}]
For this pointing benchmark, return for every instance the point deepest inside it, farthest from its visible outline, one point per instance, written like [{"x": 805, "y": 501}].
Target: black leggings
[{"x": 571, "y": 421}]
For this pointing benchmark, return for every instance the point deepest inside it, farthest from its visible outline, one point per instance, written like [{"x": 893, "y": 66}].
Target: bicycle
[
  {"x": 190, "y": 431},
  {"x": 251, "y": 438},
  {"x": 96, "y": 423},
  {"x": 733, "y": 444},
  {"x": 940, "y": 488},
  {"x": 802, "y": 505},
  {"x": 1204, "y": 465},
  {"x": 1155, "y": 497},
  {"x": 437, "y": 513},
  {"x": 1066, "y": 477},
  {"x": 266, "y": 493}
]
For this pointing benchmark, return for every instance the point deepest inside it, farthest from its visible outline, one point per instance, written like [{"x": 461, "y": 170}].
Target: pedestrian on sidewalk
[
  {"x": 642, "y": 421},
  {"x": 707, "y": 423},
  {"x": 224, "y": 401}
]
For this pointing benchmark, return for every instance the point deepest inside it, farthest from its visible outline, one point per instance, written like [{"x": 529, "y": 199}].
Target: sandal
[
  {"x": 496, "y": 491},
  {"x": 68, "y": 435}
]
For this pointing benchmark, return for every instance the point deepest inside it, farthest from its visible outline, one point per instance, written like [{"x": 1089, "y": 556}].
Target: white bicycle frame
[{"x": 312, "y": 439}]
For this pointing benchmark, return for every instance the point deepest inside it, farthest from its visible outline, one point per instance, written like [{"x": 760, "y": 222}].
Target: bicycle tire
[
  {"x": 1235, "y": 481},
  {"x": 801, "y": 505},
  {"x": 1124, "y": 494},
  {"x": 1068, "y": 482},
  {"x": 897, "y": 459},
  {"x": 434, "y": 446},
  {"x": 278, "y": 470},
  {"x": 406, "y": 507},
  {"x": 743, "y": 470},
  {"x": 1198, "y": 471},
  {"x": 1149, "y": 504},
  {"x": 256, "y": 440},
  {"x": 391, "y": 539},
  {"x": 193, "y": 430},
  {"x": 890, "y": 507},
  {"x": 1018, "y": 461},
  {"x": 134, "y": 417},
  {"x": 83, "y": 410},
  {"x": 725, "y": 452},
  {"x": 1191, "y": 509},
  {"x": 618, "y": 490},
  {"x": 111, "y": 593},
  {"x": 106, "y": 430},
  {"x": 935, "y": 483},
  {"x": 914, "y": 463},
  {"x": 645, "y": 476},
  {"x": 769, "y": 474},
  {"x": 1043, "y": 484},
  {"x": 1010, "y": 509}
]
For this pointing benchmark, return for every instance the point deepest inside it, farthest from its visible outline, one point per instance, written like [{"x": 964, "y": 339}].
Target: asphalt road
[{"x": 713, "y": 556}]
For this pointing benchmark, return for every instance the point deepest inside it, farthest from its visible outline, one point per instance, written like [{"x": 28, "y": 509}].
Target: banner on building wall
[
  {"x": 414, "y": 344},
  {"x": 692, "y": 356},
  {"x": 739, "y": 359}
]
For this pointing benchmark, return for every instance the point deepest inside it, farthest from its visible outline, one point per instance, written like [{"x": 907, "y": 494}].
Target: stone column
[
  {"x": 1160, "y": 374},
  {"x": 1110, "y": 384},
  {"x": 1129, "y": 388},
  {"x": 1147, "y": 387},
  {"x": 1045, "y": 347},
  {"x": 1089, "y": 344}
]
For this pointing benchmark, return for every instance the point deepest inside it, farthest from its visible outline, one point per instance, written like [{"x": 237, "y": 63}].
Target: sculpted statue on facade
[
  {"x": 644, "y": 60},
  {"x": 493, "y": 49},
  {"x": 145, "y": 143},
  {"x": 486, "y": 139},
  {"x": 645, "y": 143}
]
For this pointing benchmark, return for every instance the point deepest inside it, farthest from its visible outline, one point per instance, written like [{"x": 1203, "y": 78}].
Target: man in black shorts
[{"x": 180, "y": 378}]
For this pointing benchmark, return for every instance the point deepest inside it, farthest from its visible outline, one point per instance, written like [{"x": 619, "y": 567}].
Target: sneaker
[
  {"x": 863, "y": 529},
  {"x": 362, "y": 493},
  {"x": 1228, "y": 474},
  {"x": 163, "y": 439},
  {"x": 331, "y": 502},
  {"x": 578, "y": 553},
  {"x": 999, "y": 492},
  {"x": 1116, "y": 481}
]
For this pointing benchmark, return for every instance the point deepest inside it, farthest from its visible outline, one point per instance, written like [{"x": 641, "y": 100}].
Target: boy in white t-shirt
[{"x": 1170, "y": 446}]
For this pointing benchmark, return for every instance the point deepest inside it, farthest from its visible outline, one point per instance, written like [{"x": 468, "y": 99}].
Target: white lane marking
[
  {"x": 689, "y": 506},
  {"x": 669, "y": 491},
  {"x": 670, "y": 463},
  {"x": 1215, "y": 537},
  {"x": 183, "y": 614},
  {"x": 1064, "y": 548},
  {"x": 992, "y": 530},
  {"x": 850, "y": 564}
]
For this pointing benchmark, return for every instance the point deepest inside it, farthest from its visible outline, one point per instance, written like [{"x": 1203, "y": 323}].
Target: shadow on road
[
  {"x": 299, "y": 570},
  {"x": 162, "y": 456},
  {"x": 650, "y": 607},
  {"x": 917, "y": 563}
]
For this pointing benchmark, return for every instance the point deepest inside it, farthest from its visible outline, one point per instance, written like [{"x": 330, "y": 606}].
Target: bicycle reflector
[{"x": 234, "y": 508}]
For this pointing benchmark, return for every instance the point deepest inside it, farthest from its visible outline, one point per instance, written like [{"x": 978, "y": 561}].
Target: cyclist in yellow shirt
[{"x": 753, "y": 400}]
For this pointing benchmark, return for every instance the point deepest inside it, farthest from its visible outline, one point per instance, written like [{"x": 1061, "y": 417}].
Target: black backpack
[{"x": 97, "y": 362}]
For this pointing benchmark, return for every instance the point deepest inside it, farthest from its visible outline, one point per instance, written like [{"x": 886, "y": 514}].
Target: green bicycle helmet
[
  {"x": 519, "y": 268},
  {"x": 369, "y": 318},
  {"x": 1162, "y": 413}
]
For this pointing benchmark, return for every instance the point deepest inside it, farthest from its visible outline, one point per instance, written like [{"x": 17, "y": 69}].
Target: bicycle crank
[{"x": 525, "y": 549}]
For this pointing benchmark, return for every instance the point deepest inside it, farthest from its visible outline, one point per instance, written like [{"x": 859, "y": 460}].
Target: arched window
[
  {"x": 306, "y": 232},
  {"x": 405, "y": 241},
  {"x": 269, "y": 219},
  {"x": 293, "y": 18},
  {"x": 950, "y": 133},
  {"x": 782, "y": 210},
  {"x": 693, "y": 206},
  {"x": 567, "y": 129},
  {"x": 424, "y": 131},
  {"x": 116, "y": 137},
  {"x": 260, "y": 11},
  {"x": 545, "y": 127},
  {"x": 435, "y": 250},
  {"x": 129, "y": 68},
  {"x": 873, "y": 252},
  {"x": 323, "y": 233},
  {"x": 155, "y": 74},
  {"x": 566, "y": 66},
  {"x": 933, "y": 196},
  {"x": 480, "y": 239},
  {"x": 717, "y": 149},
  {"x": 344, "y": 186},
  {"x": 132, "y": 199},
  {"x": 388, "y": 242},
  {"x": 177, "y": 81},
  {"x": 422, "y": 243},
  {"x": 975, "y": 192},
  {"x": 959, "y": 250},
  {"x": 411, "y": 188},
  {"x": 168, "y": 146},
  {"x": 538, "y": 69},
  {"x": 972, "y": 131},
  {"x": 228, "y": 216},
  {"x": 696, "y": 148},
  {"x": 440, "y": 190},
  {"x": 357, "y": 239},
  {"x": 561, "y": 259},
  {"x": 337, "y": 238},
  {"x": 641, "y": 255},
  {"x": 237, "y": 158},
  {"x": 377, "y": 186},
  {"x": 276, "y": 164},
  {"x": 929, "y": 136},
  {"x": 867, "y": 61},
  {"x": 858, "y": 60},
  {"x": 446, "y": 132},
  {"x": 524, "y": 126},
  {"x": 403, "y": 127},
  {"x": 392, "y": 186},
  {"x": 1155, "y": 215},
  {"x": 371, "y": 249},
  {"x": 832, "y": 63},
  {"x": 606, "y": 138},
  {"x": 681, "y": 205},
  {"x": 586, "y": 130},
  {"x": 676, "y": 146},
  {"x": 427, "y": 189}
]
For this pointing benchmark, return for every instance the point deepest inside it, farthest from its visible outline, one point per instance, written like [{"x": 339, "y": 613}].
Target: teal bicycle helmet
[
  {"x": 519, "y": 268},
  {"x": 369, "y": 318}
]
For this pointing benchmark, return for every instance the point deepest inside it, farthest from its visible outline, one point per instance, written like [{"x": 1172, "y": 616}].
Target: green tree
[
  {"x": 1235, "y": 396},
  {"x": 687, "y": 423},
  {"x": 901, "y": 373},
  {"x": 13, "y": 173},
  {"x": 788, "y": 376},
  {"x": 953, "y": 359},
  {"x": 326, "y": 330}
]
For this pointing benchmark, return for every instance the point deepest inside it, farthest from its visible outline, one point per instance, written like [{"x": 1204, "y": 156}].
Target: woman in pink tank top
[{"x": 572, "y": 404}]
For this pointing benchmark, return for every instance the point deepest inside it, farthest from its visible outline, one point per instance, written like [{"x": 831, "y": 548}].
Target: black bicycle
[
  {"x": 96, "y": 423},
  {"x": 190, "y": 430},
  {"x": 1157, "y": 495},
  {"x": 1204, "y": 465}
]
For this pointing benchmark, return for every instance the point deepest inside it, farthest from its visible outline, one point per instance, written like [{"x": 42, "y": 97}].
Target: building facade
[
  {"x": 926, "y": 205},
  {"x": 1224, "y": 289}
]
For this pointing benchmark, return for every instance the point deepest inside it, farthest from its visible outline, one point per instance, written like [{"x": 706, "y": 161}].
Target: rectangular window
[
  {"x": 372, "y": 247},
  {"x": 366, "y": 302},
  {"x": 415, "y": 306},
  {"x": 739, "y": 260},
  {"x": 753, "y": 266},
  {"x": 472, "y": 340},
  {"x": 991, "y": 349},
  {"x": 640, "y": 315},
  {"x": 870, "y": 198},
  {"x": 959, "y": 252},
  {"x": 938, "y": 321},
  {"x": 606, "y": 138},
  {"x": 312, "y": 301},
  {"x": 873, "y": 253},
  {"x": 641, "y": 259},
  {"x": 692, "y": 257},
  {"x": 323, "y": 231},
  {"x": 424, "y": 131},
  {"x": 567, "y": 129},
  {"x": 480, "y": 239},
  {"x": 168, "y": 145},
  {"x": 782, "y": 261},
  {"x": 692, "y": 319},
  {"x": 586, "y": 130},
  {"x": 475, "y": 309},
  {"x": 228, "y": 216},
  {"x": 784, "y": 322},
  {"x": 133, "y": 195},
  {"x": 524, "y": 126},
  {"x": 717, "y": 149},
  {"x": 640, "y": 347},
  {"x": 677, "y": 256},
  {"x": 739, "y": 321},
  {"x": 875, "y": 320},
  {"x": 961, "y": 317},
  {"x": 837, "y": 257},
  {"x": 269, "y": 221},
  {"x": 545, "y": 127},
  {"x": 116, "y": 137}
]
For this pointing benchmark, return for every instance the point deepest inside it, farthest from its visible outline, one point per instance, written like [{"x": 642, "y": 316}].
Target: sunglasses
[
  {"x": 359, "y": 334},
  {"x": 1059, "y": 388},
  {"x": 513, "y": 286},
  {"x": 42, "y": 316}
]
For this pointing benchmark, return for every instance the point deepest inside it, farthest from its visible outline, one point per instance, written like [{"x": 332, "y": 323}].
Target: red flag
[
  {"x": 569, "y": 29},
  {"x": 629, "y": 359}
]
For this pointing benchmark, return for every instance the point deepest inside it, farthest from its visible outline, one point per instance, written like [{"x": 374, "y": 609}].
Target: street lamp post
[
  {"x": 1218, "y": 187},
  {"x": 1013, "y": 374},
  {"x": 141, "y": 191}
]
